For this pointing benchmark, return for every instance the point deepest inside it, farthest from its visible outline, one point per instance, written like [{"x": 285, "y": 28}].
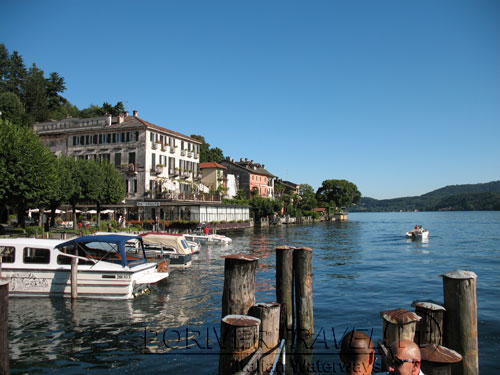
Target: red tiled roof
[
  {"x": 211, "y": 165},
  {"x": 148, "y": 124}
]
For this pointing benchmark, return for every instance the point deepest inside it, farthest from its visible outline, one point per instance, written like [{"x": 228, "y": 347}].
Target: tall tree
[
  {"x": 15, "y": 74},
  {"x": 27, "y": 168},
  {"x": 35, "y": 96},
  {"x": 338, "y": 193},
  {"x": 55, "y": 85}
]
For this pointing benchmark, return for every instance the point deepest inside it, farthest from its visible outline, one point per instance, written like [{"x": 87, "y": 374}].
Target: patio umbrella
[
  {"x": 91, "y": 211},
  {"x": 107, "y": 212}
]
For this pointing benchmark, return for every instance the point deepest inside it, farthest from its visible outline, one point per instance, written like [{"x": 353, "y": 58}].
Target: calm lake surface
[{"x": 361, "y": 267}]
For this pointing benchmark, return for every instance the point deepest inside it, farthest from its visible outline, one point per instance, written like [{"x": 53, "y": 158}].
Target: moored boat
[
  {"x": 212, "y": 238},
  {"x": 107, "y": 267},
  {"x": 171, "y": 246}
]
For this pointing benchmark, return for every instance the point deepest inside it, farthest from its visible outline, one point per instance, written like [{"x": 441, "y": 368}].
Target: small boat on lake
[
  {"x": 109, "y": 267},
  {"x": 171, "y": 246},
  {"x": 200, "y": 236},
  {"x": 418, "y": 233}
]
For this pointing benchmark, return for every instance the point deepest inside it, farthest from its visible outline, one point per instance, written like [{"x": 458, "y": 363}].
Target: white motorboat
[
  {"x": 171, "y": 246},
  {"x": 199, "y": 236},
  {"x": 418, "y": 233},
  {"x": 108, "y": 267}
]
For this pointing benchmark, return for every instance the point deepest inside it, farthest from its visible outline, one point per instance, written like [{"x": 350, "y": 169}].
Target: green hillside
[{"x": 470, "y": 197}]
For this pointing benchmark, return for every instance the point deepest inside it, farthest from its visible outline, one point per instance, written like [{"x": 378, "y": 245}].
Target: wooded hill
[{"x": 471, "y": 197}]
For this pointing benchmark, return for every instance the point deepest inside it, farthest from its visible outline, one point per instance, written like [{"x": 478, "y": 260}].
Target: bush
[{"x": 32, "y": 230}]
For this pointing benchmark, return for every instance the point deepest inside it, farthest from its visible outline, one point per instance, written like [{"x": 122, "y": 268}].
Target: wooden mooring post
[
  {"x": 239, "y": 284},
  {"x": 284, "y": 288},
  {"x": 460, "y": 321},
  {"x": 438, "y": 360},
  {"x": 4, "y": 326},
  {"x": 239, "y": 337},
  {"x": 74, "y": 278},
  {"x": 269, "y": 316},
  {"x": 430, "y": 327},
  {"x": 302, "y": 269}
]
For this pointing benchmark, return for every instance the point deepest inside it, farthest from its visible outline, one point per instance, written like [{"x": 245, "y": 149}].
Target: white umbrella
[
  {"x": 91, "y": 211},
  {"x": 77, "y": 211},
  {"x": 60, "y": 211},
  {"x": 107, "y": 212}
]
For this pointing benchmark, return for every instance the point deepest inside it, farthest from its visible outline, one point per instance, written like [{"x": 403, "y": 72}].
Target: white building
[{"x": 161, "y": 167}]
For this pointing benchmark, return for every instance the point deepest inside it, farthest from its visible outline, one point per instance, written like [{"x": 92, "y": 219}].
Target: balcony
[
  {"x": 129, "y": 169},
  {"x": 172, "y": 150},
  {"x": 158, "y": 169},
  {"x": 154, "y": 145},
  {"x": 183, "y": 152},
  {"x": 190, "y": 154}
]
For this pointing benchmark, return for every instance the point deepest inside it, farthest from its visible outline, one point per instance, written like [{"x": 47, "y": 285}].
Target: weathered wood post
[
  {"x": 430, "y": 327},
  {"x": 284, "y": 288},
  {"x": 398, "y": 324},
  {"x": 438, "y": 360},
  {"x": 269, "y": 316},
  {"x": 239, "y": 284},
  {"x": 239, "y": 340},
  {"x": 302, "y": 269},
  {"x": 460, "y": 321},
  {"x": 4, "y": 326},
  {"x": 74, "y": 278}
]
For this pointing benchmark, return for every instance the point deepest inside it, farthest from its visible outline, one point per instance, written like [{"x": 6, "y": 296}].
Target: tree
[
  {"x": 11, "y": 107},
  {"x": 34, "y": 96},
  {"x": 307, "y": 198},
  {"x": 338, "y": 193},
  {"x": 62, "y": 188},
  {"x": 55, "y": 85},
  {"x": 261, "y": 207},
  {"x": 27, "y": 169},
  {"x": 208, "y": 154},
  {"x": 113, "y": 188}
]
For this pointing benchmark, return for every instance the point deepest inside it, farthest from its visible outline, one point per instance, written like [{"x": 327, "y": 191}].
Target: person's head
[
  {"x": 404, "y": 358},
  {"x": 357, "y": 353}
]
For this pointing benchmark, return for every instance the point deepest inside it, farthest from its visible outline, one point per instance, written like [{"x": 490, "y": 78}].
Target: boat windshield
[{"x": 107, "y": 251}]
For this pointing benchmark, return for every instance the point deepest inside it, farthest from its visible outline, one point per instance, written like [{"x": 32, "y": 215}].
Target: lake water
[{"x": 360, "y": 267}]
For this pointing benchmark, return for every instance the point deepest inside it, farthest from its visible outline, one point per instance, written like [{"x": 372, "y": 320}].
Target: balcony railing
[
  {"x": 194, "y": 197},
  {"x": 183, "y": 152},
  {"x": 154, "y": 145},
  {"x": 172, "y": 150}
]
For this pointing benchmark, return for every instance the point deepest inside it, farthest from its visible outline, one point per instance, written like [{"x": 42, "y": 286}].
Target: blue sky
[{"x": 398, "y": 97}]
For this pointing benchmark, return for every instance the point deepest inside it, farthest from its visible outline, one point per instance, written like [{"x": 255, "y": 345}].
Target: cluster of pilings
[
  {"x": 446, "y": 335},
  {"x": 251, "y": 332}
]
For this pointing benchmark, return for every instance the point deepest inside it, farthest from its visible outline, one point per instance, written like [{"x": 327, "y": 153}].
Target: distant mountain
[{"x": 471, "y": 197}]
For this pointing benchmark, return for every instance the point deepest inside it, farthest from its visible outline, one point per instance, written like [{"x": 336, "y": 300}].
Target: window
[
  {"x": 71, "y": 250},
  {"x": 118, "y": 160},
  {"x": 37, "y": 256},
  {"x": 131, "y": 158},
  {"x": 153, "y": 160},
  {"x": 134, "y": 186},
  {"x": 8, "y": 254},
  {"x": 151, "y": 137}
]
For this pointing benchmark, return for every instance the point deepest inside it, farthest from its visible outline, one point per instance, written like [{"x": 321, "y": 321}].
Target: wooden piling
[
  {"x": 460, "y": 321},
  {"x": 269, "y": 316},
  {"x": 239, "y": 284},
  {"x": 239, "y": 337},
  {"x": 284, "y": 288},
  {"x": 302, "y": 269},
  {"x": 4, "y": 326},
  {"x": 438, "y": 360},
  {"x": 430, "y": 326},
  {"x": 74, "y": 278},
  {"x": 398, "y": 324}
]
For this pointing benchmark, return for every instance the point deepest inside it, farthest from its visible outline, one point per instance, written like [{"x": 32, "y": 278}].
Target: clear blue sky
[{"x": 398, "y": 97}]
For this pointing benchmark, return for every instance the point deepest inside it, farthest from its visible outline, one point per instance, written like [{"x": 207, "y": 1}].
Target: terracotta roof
[
  {"x": 211, "y": 165},
  {"x": 150, "y": 125}
]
